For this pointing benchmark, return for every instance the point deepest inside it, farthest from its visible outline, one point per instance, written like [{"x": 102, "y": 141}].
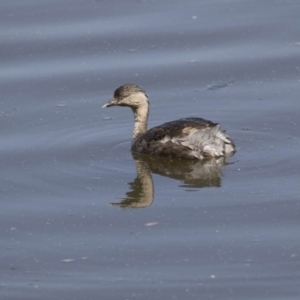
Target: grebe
[{"x": 190, "y": 138}]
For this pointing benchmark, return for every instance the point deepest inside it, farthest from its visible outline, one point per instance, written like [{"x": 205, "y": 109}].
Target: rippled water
[{"x": 175, "y": 231}]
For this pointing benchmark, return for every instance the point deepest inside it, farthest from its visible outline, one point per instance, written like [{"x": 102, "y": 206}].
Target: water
[{"x": 181, "y": 231}]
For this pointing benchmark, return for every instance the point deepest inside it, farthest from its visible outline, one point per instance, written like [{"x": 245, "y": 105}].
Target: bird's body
[{"x": 189, "y": 138}]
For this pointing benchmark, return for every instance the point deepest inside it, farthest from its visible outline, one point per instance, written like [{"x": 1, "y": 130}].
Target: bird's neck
[{"x": 140, "y": 120}]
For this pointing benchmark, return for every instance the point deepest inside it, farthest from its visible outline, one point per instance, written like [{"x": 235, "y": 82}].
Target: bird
[{"x": 187, "y": 138}]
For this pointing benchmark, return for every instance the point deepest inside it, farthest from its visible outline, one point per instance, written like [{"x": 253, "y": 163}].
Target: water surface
[{"x": 184, "y": 231}]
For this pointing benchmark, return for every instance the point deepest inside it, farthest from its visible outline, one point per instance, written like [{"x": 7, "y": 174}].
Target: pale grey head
[
  {"x": 134, "y": 97},
  {"x": 128, "y": 95}
]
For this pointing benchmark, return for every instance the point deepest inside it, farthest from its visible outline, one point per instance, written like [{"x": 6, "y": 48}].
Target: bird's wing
[{"x": 177, "y": 138}]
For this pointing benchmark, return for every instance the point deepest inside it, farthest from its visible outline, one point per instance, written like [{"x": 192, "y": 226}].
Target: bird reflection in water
[{"x": 192, "y": 174}]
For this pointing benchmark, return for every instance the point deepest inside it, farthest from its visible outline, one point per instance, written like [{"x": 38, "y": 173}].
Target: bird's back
[{"x": 192, "y": 138}]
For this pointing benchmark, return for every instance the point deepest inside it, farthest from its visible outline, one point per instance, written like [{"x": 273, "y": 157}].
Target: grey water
[{"x": 81, "y": 218}]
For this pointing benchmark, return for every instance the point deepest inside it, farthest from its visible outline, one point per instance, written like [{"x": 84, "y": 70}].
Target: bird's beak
[{"x": 111, "y": 102}]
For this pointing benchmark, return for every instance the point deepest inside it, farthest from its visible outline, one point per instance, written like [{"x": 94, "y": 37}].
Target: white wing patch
[{"x": 207, "y": 142}]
